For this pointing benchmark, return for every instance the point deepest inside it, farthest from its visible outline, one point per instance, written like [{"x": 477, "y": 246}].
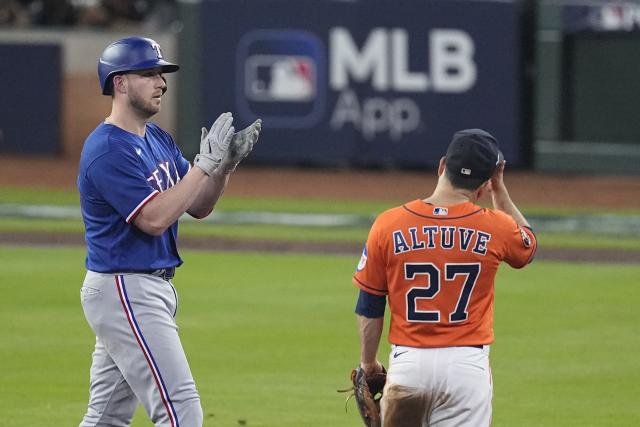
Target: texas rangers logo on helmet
[{"x": 156, "y": 47}]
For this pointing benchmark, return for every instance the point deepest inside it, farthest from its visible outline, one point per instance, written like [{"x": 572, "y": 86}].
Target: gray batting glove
[
  {"x": 241, "y": 145},
  {"x": 215, "y": 143}
]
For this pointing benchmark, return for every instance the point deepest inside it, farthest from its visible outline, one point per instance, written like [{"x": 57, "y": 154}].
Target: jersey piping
[
  {"x": 439, "y": 218},
  {"x": 373, "y": 290},
  {"x": 138, "y": 208}
]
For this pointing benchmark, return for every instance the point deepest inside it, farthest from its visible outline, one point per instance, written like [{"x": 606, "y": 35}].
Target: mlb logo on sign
[
  {"x": 284, "y": 78},
  {"x": 441, "y": 211},
  {"x": 279, "y": 78}
]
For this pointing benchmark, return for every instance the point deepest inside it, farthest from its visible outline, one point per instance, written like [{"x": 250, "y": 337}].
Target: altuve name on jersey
[{"x": 443, "y": 237}]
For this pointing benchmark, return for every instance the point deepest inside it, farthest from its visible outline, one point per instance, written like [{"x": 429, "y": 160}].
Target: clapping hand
[
  {"x": 241, "y": 145},
  {"x": 214, "y": 144}
]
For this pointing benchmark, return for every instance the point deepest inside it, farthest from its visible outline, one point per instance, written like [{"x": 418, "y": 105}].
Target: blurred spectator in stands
[
  {"x": 14, "y": 12},
  {"x": 52, "y": 13},
  {"x": 153, "y": 15},
  {"x": 92, "y": 13},
  {"x": 125, "y": 12},
  {"x": 162, "y": 16}
]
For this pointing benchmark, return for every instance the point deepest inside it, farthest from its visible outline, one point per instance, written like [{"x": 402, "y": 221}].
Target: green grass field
[
  {"x": 316, "y": 234},
  {"x": 346, "y": 234},
  {"x": 271, "y": 337},
  {"x": 55, "y": 196}
]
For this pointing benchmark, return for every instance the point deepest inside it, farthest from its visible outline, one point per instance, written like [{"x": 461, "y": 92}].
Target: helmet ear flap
[{"x": 109, "y": 86}]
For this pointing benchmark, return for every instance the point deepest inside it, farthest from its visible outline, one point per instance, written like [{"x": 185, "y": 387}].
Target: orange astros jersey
[{"x": 437, "y": 266}]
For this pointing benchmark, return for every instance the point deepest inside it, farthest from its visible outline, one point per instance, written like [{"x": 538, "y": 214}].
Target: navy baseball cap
[{"x": 473, "y": 154}]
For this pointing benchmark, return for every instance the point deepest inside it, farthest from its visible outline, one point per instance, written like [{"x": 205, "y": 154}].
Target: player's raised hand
[
  {"x": 219, "y": 136},
  {"x": 214, "y": 143},
  {"x": 497, "y": 179},
  {"x": 241, "y": 145},
  {"x": 499, "y": 193},
  {"x": 205, "y": 148}
]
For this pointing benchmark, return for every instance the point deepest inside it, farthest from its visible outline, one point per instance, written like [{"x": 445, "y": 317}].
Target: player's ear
[
  {"x": 442, "y": 165},
  {"x": 483, "y": 189},
  {"x": 164, "y": 88},
  {"x": 119, "y": 83}
]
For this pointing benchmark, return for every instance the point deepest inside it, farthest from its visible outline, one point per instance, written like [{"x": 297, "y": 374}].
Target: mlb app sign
[
  {"x": 374, "y": 86},
  {"x": 284, "y": 78},
  {"x": 381, "y": 83}
]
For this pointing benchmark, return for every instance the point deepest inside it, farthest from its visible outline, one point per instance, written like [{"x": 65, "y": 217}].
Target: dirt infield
[
  {"x": 527, "y": 189},
  {"x": 610, "y": 192},
  {"x": 601, "y": 256}
]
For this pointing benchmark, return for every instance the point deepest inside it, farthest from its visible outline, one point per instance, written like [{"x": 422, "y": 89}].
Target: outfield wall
[
  {"x": 377, "y": 83},
  {"x": 360, "y": 83},
  {"x": 79, "y": 105},
  {"x": 587, "y": 87}
]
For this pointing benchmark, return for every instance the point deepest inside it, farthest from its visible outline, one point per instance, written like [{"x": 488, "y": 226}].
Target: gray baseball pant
[{"x": 138, "y": 356}]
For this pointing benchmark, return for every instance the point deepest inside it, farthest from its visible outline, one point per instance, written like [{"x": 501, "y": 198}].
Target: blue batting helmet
[{"x": 130, "y": 54}]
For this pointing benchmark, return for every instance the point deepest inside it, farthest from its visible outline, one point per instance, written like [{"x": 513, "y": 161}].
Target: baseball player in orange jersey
[{"x": 435, "y": 260}]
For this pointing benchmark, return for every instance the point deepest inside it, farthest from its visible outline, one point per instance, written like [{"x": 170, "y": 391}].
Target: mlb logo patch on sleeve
[
  {"x": 363, "y": 260},
  {"x": 526, "y": 239}
]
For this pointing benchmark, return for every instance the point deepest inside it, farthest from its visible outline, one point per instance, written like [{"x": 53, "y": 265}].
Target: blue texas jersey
[{"x": 119, "y": 173}]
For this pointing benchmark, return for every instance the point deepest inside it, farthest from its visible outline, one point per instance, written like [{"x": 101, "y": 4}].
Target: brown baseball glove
[{"x": 367, "y": 390}]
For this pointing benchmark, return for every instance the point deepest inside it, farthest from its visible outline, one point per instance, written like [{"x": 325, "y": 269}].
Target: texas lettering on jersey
[
  {"x": 119, "y": 174},
  {"x": 437, "y": 267},
  {"x": 165, "y": 176}
]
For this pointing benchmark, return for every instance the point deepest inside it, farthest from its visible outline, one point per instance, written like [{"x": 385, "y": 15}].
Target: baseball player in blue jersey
[{"x": 134, "y": 184}]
